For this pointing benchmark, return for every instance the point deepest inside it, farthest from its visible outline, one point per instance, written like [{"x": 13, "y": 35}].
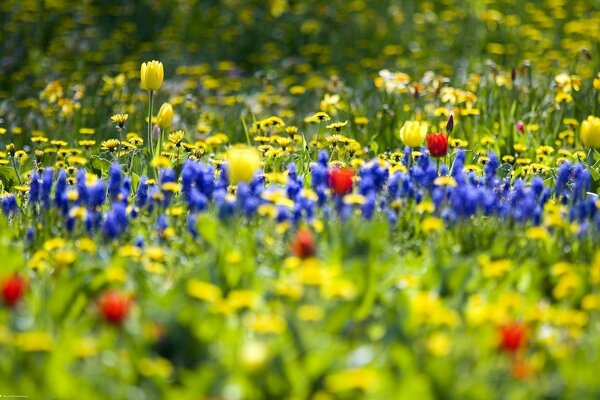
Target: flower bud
[
  {"x": 165, "y": 116},
  {"x": 151, "y": 75},
  {"x": 590, "y": 132},
  {"x": 413, "y": 133}
]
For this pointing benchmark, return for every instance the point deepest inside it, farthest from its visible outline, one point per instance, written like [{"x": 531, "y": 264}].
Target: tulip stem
[
  {"x": 159, "y": 145},
  {"x": 14, "y": 164},
  {"x": 151, "y": 147}
]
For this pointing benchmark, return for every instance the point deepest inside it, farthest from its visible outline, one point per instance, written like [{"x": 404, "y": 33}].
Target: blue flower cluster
[{"x": 457, "y": 195}]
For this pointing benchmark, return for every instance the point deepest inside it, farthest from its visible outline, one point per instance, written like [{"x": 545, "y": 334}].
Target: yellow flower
[
  {"x": 537, "y": 233},
  {"x": 310, "y": 313},
  {"x": 253, "y": 355},
  {"x": 119, "y": 119},
  {"x": 34, "y": 341},
  {"x": 64, "y": 258},
  {"x": 566, "y": 83},
  {"x": 318, "y": 117},
  {"x": 439, "y": 344},
  {"x": 165, "y": 116},
  {"x": 86, "y": 347},
  {"x": 360, "y": 378},
  {"x": 445, "y": 181},
  {"x": 413, "y": 133},
  {"x": 432, "y": 224},
  {"x": 152, "y": 74},
  {"x": 590, "y": 132},
  {"x": 203, "y": 290},
  {"x": 591, "y": 302},
  {"x": 177, "y": 137},
  {"x": 155, "y": 367},
  {"x": 267, "y": 323},
  {"x": 243, "y": 163}
]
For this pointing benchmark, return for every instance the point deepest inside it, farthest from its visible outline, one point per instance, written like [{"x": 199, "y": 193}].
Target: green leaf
[
  {"x": 207, "y": 227},
  {"x": 374, "y": 147},
  {"x": 99, "y": 166},
  {"x": 8, "y": 176}
]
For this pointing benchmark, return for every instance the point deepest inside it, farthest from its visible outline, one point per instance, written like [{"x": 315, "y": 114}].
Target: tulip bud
[
  {"x": 151, "y": 75},
  {"x": 450, "y": 124},
  {"x": 165, "y": 116},
  {"x": 590, "y": 132},
  {"x": 413, "y": 133}
]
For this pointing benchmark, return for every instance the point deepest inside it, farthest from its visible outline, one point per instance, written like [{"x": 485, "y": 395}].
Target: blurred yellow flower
[
  {"x": 243, "y": 162},
  {"x": 253, "y": 354},
  {"x": 439, "y": 344},
  {"x": 160, "y": 367},
  {"x": 432, "y": 224},
  {"x": 203, "y": 290},
  {"x": 267, "y": 323},
  {"x": 360, "y": 378},
  {"x": 34, "y": 341}
]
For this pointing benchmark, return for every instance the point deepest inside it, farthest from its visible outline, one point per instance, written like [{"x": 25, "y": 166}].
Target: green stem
[
  {"x": 150, "y": 145},
  {"x": 120, "y": 144},
  {"x": 177, "y": 165},
  {"x": 14, "y": 163},
  {"x": 159, "y": 146}
]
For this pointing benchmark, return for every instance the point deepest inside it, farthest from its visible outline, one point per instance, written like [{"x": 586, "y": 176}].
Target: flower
[
  {"x": 412, "y": 133},
  {"x": 119, "y": 119},
  {"x": 317, "y": 117},
  {"x": 13, "y": 289},
  {"x": 337, "y": 126},
  {"x": 177, "y": 137},
  {"x": 520, "y": 126},
  {"x": 152, "y": 74},
  {"x": 512, "y": 337},
  {"x": 114, "y": 307},
  {"x": 165, "y": 116},
  {"x": 243, "y": 162},
  {"x": 304, "y": 244},
  {"x": 437, "y": 144},
  {"x": 340, "y": 181},
  {"x": 590, "y": 132}
]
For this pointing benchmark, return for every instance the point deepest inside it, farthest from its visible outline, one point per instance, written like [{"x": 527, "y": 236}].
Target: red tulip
[
  {"x": 437, "y": 144},
  {"x": 520, "y": 126},
  {"x": 114, "y": 307},
  {"x": 340, "y": 181},
  {"x": 304, "y": 244},
  {"x": 13, "y": 289},
  {"x": 512, "y": 337}
]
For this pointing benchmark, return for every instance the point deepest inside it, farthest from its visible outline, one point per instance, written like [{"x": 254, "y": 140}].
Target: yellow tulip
[
  {"x": 165, "y": 116},
  {"x": 243, "y": 162},
  {"x": 152, "y": 75},
  {"x": 413, "y": 133},
  {"x": 590, "y": 132}
]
